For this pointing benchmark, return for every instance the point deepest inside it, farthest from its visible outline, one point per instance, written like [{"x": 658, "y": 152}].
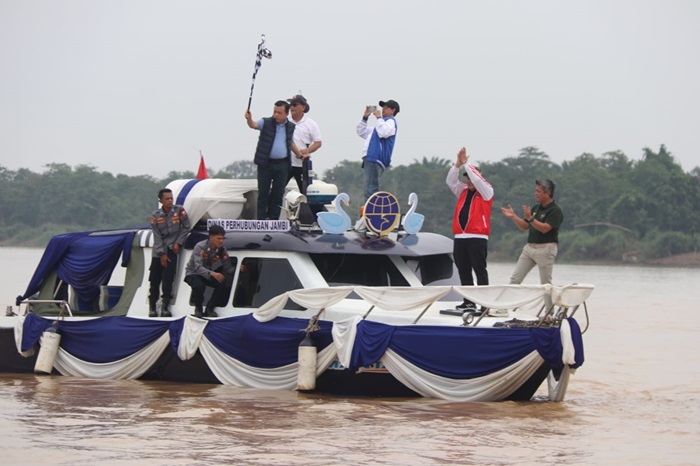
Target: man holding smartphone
[{"x": 379, "y": 142}]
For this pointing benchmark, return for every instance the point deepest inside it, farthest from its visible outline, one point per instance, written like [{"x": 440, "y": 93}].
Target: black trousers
[
  {"x": 470, "y": 256},
  {"x": 272, "y": 180},
  {"x": 199, "y": 285},
  {"x": 158, "y": 274},
  {"x": 301, "y": 175}
]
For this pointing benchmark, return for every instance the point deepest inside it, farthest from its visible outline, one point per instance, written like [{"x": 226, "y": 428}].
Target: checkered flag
[{"x": 263, "y": 52}]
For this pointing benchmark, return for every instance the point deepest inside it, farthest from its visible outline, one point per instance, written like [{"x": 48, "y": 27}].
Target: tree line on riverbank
[{"x": 615, "y": 208}]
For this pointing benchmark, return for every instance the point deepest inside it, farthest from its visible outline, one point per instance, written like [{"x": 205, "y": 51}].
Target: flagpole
[{"x": 263, "y": 52}]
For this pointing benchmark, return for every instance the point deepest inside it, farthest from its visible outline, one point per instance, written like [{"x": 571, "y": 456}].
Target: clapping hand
[
  {"x": 508, "y": 211},
  {"x": 462, "y": 157}
]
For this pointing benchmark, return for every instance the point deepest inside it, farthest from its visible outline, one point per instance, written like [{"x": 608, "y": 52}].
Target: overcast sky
[{"x": 141, "y": 86}]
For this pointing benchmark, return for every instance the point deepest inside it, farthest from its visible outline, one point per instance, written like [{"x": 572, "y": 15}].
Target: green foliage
[
  {"x": 175, "y": 175},
  {"x": 240, "y": 169},
  {"x": 608, "y": 246},
  {"x": 36, "y": 206},
  {"x": 348, "y": 177},
  {"x": 623, "y": 199},
  {"x": 507, "y": 247},
  {"x": 611, "y": 204},
  {"x": 426, "y": 178},
  {"x": 668, "y": 243}
]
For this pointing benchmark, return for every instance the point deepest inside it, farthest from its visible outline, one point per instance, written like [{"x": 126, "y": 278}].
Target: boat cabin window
[
  {"x": 437, "y": 269},
  {"x": 261, "y": 279},
  {"x": 358, "y": 269}
]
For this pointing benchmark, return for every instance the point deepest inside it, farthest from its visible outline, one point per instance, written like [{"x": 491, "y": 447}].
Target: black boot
[
  {"x": 198, "y": 311},
  {"x": 209, "y": 312},
  {"x": 152, "y": 310},
  {"x": 164, "y": 311}
]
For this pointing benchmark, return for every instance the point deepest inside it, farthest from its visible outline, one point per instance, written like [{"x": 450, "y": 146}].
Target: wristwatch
[{"x": 529, "y": 220}]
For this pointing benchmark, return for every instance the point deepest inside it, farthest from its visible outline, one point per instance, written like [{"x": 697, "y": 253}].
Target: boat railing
[
  {"x": 565, "y": 301},
  {"x": 503, "y": 297},
  {"x": 63, "y": 305}
]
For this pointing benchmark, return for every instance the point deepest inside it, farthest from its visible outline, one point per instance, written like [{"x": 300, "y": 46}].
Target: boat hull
[
  {"x": 338, "y": 382},
  {"x": 386, "y": 360}
]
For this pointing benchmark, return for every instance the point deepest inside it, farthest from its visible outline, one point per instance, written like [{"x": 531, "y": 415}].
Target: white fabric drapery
[
  {"x": 191, "y": 337},
  {"x": 312, "y": 298},
  {"x": 344, "y": 333},
  {"x": 230, "y": 371},
  {"x": 492, "y": 387},
  {"x": 19, "y": 331},
  {"x": 409, "y": 298},
  {"x": 557, "y": 388},
  {"x": 504, "y": 296},
  {"x": 131, "y": 367},
  {"x": 399, "y": 298},
  {"x": 214, "y": 198},
  {"x": 495, "y": 386}
]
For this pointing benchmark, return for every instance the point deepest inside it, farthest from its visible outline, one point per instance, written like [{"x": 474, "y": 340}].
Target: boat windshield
[
  {"x": 436, "y": 269},
  {"x": 356, "y": 269}
]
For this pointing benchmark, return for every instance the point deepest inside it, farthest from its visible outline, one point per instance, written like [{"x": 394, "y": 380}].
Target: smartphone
[{"x": 372, "y": 108}]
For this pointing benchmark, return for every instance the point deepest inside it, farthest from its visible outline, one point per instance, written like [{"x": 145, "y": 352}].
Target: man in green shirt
[{"x": 542, "y": 222}]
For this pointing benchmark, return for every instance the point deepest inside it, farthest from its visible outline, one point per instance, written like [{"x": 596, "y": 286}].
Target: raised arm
[
  {"x": 385, "y": 128},
  {"x": 249, "y": 119}
]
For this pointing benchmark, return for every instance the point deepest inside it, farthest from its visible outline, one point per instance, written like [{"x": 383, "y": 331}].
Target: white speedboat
[{"x": 362, "y": 312}]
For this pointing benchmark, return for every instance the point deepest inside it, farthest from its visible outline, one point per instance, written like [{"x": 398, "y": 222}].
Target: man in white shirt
[{"x": 307, "y": 137}]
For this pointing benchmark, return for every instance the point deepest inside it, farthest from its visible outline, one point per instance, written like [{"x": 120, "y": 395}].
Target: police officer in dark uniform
[
  {"x": 209, "y": 265},
  {"x": 170, "y": 226}
]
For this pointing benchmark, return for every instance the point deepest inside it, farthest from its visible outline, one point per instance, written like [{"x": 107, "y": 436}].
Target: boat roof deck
[{"x": 351, "y": 242}]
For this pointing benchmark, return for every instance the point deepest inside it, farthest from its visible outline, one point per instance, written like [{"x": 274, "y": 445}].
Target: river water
[{"x": 635, "y": 401}]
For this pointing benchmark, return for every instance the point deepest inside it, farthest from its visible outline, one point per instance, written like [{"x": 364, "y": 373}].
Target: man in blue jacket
[{"x": 379, "y": 143}]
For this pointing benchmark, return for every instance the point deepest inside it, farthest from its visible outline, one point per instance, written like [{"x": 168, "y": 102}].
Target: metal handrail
[{"x": 64, "y": 304}]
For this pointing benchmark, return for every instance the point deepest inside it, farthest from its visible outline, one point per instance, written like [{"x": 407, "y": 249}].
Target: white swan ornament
[
  {"x": 337, "y": 222},
  {"x": 413, "y": 222}
]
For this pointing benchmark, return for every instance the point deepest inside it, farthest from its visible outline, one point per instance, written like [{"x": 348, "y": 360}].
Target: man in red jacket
[{"x": 471, "y": 223}]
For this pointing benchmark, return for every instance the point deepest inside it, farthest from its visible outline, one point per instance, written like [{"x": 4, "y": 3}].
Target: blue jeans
[
  {"x": 275, "y": 174},
  {"x": 372, "y": 172}
]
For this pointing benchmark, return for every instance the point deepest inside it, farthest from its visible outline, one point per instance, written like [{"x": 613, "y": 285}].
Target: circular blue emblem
[{"x": 382, "y": 213}]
